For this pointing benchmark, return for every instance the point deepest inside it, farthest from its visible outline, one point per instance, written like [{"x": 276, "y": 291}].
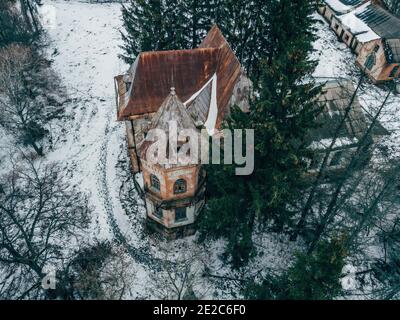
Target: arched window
[
  {"x": 370, "y": 62},
  {"x": 155, "y": 183},
  {"x": 180, "y": 186}
]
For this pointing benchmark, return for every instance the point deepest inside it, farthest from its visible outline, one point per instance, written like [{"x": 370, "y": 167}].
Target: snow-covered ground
[
  {"x": 85, "y": 46},
  {"x": 335, "y": 60}
]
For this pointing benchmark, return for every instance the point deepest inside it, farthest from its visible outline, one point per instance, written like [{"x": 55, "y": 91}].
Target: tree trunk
[
  {"x": 330, "y": 212},
  {"x": 321, "y": 171}
]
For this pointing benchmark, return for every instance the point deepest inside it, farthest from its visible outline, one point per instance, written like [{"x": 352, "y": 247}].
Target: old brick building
[{"x": 197, "y": 89}]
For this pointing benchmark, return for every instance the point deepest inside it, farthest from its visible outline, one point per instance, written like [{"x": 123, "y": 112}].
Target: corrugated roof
[
  {"x": 351, "y": 2},
  {"x": 343, "y": 6},
  {"x": 381, "y": 21},
  {"x": 186, "y": 70},
  {"x": 336, "y": 97}
]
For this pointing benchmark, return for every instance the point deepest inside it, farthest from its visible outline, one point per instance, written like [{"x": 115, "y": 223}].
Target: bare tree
[
  {"x": 29, "y": 10},
  {"x": 13, "y": 25},
  {"x": 25, "y": 87},
  {"x": 101, "y": 271},
  {"x": 40, "y": 216},
  {"x": 180, "y": 276},
  {"x": 357, "y": 159},
  {"x": 323, "y": 166}
]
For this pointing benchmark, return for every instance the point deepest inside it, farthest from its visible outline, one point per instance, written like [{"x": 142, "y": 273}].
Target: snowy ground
[
  {"x": 337, "y": 61},
  {"x": 91, "y": 146}
]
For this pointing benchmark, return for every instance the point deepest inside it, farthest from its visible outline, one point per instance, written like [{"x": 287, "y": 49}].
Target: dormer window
[
  {"x": 180, "y": 186},
  {"x": 155, "y": 182}
]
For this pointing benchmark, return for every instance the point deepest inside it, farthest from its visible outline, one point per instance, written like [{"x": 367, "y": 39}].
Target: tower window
[
  {"x": 180, "y": 214},
  {"x": 155, "y": 182},
  {"x": 180, "y": 186},
  {"x": 376, "y": 48}
]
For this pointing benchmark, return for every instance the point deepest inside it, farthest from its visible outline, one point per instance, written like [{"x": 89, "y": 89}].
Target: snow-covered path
[{"x": 85, "y": 48}]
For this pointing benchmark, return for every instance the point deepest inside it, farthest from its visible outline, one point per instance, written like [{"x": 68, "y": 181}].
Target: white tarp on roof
[
  {"x": 356, "y": 26},
  {"x": 213, "y": 109}
]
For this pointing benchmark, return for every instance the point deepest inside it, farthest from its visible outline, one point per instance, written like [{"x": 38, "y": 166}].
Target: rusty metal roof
[{"x": 154, "y": 73}]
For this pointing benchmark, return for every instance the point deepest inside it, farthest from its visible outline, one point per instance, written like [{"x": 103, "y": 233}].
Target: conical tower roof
[{"x": 172, "y": 109}]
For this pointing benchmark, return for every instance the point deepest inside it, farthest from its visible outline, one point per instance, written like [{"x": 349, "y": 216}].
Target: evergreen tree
[
  {"x": 151, "y": 25},
  {"x": 281, "y": 116},
  {"x": 317, "y": 276},
  {"x": 311, "y": 277},
  {"x": 285, "y": 110},
  {"x": 182, "y": 24}
]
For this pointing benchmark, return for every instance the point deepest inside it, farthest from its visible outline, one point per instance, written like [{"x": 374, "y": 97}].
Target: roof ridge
[{"x": 145, "y": 53}]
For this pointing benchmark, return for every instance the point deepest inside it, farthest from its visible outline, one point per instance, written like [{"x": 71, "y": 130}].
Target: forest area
[{"x": 344, "y": 227}]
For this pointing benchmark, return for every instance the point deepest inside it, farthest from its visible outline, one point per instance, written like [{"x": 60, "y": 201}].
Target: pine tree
[
  {"x": 182, "y": 24},
  {"x": 284, "y": 112},
  {"x": 317, "y": 276},
  {"x": 281, "y": 116},
  {"x": 311, "y": 277},
  {"x": 151, "y": 25}
]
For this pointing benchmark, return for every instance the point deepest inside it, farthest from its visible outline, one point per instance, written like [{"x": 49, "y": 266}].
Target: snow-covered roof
[
  {"x": 343, "y": 6},
  {"x": 381, "y": 21},
  {"x": 357, "y": 26}
]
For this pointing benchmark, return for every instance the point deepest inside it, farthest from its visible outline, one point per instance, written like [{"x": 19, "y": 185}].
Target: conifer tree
[
  {"x": 182, "y": 24},
  {"x": 311, "y": 277},
  {"x": 151, "y": 25},
  {"x": 281, "y": 116}
]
